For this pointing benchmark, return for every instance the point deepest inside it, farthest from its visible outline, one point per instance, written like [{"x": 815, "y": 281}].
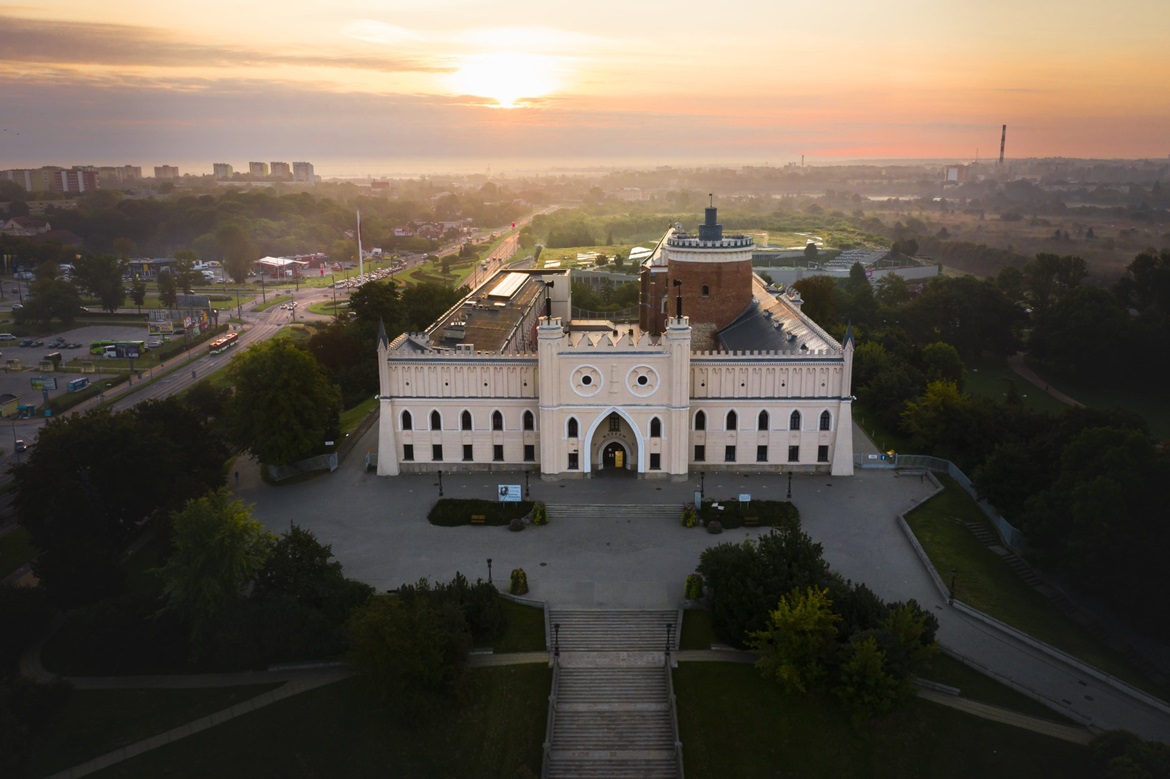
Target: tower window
[
  {"x": 700, "y": 421},
  {"x": 529, "y": 421},
  {"x": 656, "y": 428},
  {"x": 465, "y": 420},
  {"x": 436, "y": 420},
  {"x": 497, "y": 420},
  {"x": 762, "y": 421},
  {"x": 407, "y": 421},
  {"x": 615, "y": 423},
  {"x": 732, "y": 421},
  {"x": 706, "y": 291},
  {"x": 794, "y": 421},
  {"x": 572, "y": 427},
  {"x": 826, "y": 420}
]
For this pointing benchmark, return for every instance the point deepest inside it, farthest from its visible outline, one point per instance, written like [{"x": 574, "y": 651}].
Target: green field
[
  {"x": 734, "y": 724},
  {"x": 339, "y": 730}
]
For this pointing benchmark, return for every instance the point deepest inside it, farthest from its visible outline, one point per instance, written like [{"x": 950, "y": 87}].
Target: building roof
[{"x": 773, "y": 322}]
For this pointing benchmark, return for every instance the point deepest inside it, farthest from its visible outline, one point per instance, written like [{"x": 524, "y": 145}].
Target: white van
[{"x": 7, "y": 337}]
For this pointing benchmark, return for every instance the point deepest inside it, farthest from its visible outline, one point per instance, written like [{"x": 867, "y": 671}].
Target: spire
[
  {"x": 848, "y": 333},
  {"x": 382, "y": 340}
]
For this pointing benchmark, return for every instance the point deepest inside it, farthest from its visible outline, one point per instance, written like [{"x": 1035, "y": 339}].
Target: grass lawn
[
  {"x": 697, "y": 632},
  {"x": 989, "y": 377},
  {"x": 1150, "y": 403},
  {"x": 339, "y": 730},
  {"x": 16, "y": 549},
  {"x": 883, "y": 438},
  {"x": 94, "y": 722},
  {"x": 525, "y": 632},
  {"x": 734, "y": 724},
  {"x": 272, "y": 301},
  {"x": 974, "y": 685},
  {"x": 352, "y": 416},
  {"x": 987, "y": 584}
]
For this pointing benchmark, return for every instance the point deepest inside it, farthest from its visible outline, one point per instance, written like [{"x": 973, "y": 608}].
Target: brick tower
[{"x": 713, "y": 276}]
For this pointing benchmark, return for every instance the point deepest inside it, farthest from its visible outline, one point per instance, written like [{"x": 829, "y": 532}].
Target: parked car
[
  {"x": 7, "y": 337},
  {"x": 27, "y": 342}
]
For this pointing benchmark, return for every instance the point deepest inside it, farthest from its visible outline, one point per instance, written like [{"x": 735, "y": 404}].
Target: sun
[{"x": 509, "y": 79}]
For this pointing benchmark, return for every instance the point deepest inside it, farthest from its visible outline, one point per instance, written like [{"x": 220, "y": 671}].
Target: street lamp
[
  {"x": 790, "y": 485},
  {"x": 702, "y": 491},
  {"x": 440, "y": 483},
  {"x": 527, "y": 494},
  {"x": 489, "y": 570},
  {"x": 951, "y": 598},
  {"x": 14, "y": 445}
]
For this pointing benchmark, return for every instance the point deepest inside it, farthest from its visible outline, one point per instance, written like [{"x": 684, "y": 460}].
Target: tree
[
  {"x": 238, "y": 251},
  {"x": 167, "y": 291},
  {"x": 1085, "y": 331},
  {"x": 810, "y": 251},
  {"x": 138, "y": 293},
  {"x": 284, "y": 408},
  {"x": 183, "y": 270},
  {"x": 941, "y": 362},
  {"x": 892, "y": 291},
  {"x": 101, "y": 274},
  {"x": 866, "y": 687},
  {"x": 410, "y": 651},
  {"x": 796, "y": 647},
  {"x": 820, "y": 297},
  {"x": 50, "y": 298},
  {"x": 219, "y": 549},
  {"x": 69, "y": 500}
]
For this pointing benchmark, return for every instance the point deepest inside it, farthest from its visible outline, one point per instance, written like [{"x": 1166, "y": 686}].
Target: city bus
[
  {"x": 121, "y": 348},
  {"x": 223, "y": 343}
]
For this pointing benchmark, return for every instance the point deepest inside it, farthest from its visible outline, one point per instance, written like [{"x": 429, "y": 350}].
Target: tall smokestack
[{"x": 1002, "y": 141}]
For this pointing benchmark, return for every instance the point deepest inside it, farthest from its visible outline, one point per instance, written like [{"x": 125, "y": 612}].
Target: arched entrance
[{"x": 614, "y": 456}]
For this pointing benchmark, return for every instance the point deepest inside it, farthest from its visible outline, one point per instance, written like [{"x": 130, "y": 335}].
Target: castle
[{"x": 721, "y": 372}]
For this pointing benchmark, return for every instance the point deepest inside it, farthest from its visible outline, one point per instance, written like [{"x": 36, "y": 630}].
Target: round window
[
  {"x": 643, "y": 381},
  {"x": 586, "y": 380}
]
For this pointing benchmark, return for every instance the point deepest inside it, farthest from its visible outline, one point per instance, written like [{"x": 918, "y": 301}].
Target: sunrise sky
[{"x": 371, "y": 86}]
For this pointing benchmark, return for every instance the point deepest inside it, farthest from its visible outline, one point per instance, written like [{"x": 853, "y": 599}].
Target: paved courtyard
[{"x": 379, "y": 531}]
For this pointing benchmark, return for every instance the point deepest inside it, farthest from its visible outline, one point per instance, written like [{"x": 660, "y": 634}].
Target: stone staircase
[
  {"x": 612, "y": 710},
  {"x": 632, "y": 511}
]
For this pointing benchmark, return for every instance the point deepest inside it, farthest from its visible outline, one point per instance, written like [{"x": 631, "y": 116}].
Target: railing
[
  {"x": 552, "y": 714},
  {"x": 1008, "y": 533},
  {"x": 624, "y": 315},
  {"x": 678, "y": 758}
]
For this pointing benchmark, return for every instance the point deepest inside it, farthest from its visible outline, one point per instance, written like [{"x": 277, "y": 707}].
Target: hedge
[
  {"x": 771, "y": 513},
  {"x": 453, "y": 512}
]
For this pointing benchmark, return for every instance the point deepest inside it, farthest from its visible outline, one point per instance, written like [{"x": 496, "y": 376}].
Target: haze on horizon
[{"x": 401, "y": 83}]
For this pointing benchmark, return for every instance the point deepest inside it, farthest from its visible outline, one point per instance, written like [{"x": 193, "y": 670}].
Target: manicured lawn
[
  {"x": 352, "y": 416},
  {"x": 94, "y": 722},
  {"x": 985, "y": 583},
  {"x": 1150, "y": 403},
  {"x": 990, "y": 377},
  {"x": 16, "y": 549},
  {"x": 697, "y": 632},
  {"x": 339, "y": 730},
  {"x": 733, "y": 723},
  {"x": 525, "y": 631},
  {"x": 972, "y": 684}
]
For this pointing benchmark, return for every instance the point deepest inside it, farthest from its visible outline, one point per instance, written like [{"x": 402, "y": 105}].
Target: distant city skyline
[{"x": 370, "y": 89}]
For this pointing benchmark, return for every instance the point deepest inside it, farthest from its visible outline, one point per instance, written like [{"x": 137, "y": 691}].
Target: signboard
[
  {"x": 160, "y": 328},
  {"x": 745, "y": 497},
  {"x": 77, "y": 384},
  {"x": 40, "y": 383},
  {"x": 509, "y": 493}
]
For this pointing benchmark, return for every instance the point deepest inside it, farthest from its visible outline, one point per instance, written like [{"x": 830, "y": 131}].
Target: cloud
[
  {"x": 26, "y": 41},
  {"x": 373, "y": 31}
]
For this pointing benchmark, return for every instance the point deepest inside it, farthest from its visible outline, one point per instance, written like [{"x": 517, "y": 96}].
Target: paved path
[{"x": 1018, "y": 364}]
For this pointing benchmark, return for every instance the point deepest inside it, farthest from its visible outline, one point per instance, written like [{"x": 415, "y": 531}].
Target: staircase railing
[
  {"x": 552, "y": 714},
  {"x": 678, "y": 757}
]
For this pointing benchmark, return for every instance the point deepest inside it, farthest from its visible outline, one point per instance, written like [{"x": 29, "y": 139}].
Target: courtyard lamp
[
  {"x": 489, "y": 562},
  {"x": 440, "y": 482},
  {"x": 790, "y": 485}
]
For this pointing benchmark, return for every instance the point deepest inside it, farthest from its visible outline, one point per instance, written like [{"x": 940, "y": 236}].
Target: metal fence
[{"x": 1008, "y": 533}]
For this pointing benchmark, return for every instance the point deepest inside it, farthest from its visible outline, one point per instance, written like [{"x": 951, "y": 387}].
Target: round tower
[{"x": 712, "y": 273}]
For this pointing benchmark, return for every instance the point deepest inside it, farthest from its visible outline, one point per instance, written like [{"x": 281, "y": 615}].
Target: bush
[
  {"x": 519, "y": 582},
  {"x": 454, "y": 512},
  {"x": 694, "y": 588},
  {"x": 771, "y": 513},
  {"x": 539, "y": 514},
  {"x": 689, "y": 516},
  {"x": 516, "y": 525},
  {"x": 479, "y": 603},
  {"x": 714, "y": 527}
]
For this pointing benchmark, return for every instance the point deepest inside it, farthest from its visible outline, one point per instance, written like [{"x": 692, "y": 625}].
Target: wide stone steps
[
  {"x": 613, "y": 630},
  {"x": 613, "y": 715},
  {"x": 632, "y": 511}
]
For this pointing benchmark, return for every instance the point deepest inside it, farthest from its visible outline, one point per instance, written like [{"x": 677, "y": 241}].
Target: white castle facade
[{"x": 506, "y": 380}]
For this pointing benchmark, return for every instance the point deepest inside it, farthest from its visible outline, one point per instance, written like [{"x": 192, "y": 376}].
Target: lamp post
[
  {"x": 951, "y": 598},
  {"x": 263, "y": 298},
  {"x": 669, "y": 633},
  {"x": 14, "y": 449},
  {"x": 790, "y": 485},
  {"x": 333, "y": 283},
  {"x": 440, "y": 483},
  {"x": 702, "y": 481},
  {"x": 489, "y": 561},
  {"x": 527, "y": 494}
]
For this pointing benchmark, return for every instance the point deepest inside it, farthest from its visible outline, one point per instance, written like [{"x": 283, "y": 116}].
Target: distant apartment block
[
  {"x": 303, "y": 171},
  {"x": 281, "y": 170},
  {"x": 222, "y": 171},
  {"x": 75, "y": 180},
  {"x": 166, "y": 172},
  {"x": 120, "y": 173},
  {"x": 258, "y": 169}
]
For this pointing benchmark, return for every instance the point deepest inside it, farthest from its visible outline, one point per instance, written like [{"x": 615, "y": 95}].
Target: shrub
[
  {"x": 714, "y": 527},
  {"x": 689, "y": 516},
  {"x": 516, "y": 525},
  {"x": 539, "y": 514},
  {"x": 694, "y": 588},
  {"x": 771, "y": 513},
  {"x": 519, "y": 582},
  {"x": 453, "y": 512}
]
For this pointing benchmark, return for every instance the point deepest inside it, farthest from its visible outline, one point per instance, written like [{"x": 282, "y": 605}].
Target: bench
[
  {"x": 751, "y": 521},
  {"x": 478, "y": 519}
]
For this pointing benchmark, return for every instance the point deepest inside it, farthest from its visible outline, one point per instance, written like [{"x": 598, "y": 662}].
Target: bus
[
  {"x": 120, "y": 348},
  {"x": 223, "y": 343}
]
